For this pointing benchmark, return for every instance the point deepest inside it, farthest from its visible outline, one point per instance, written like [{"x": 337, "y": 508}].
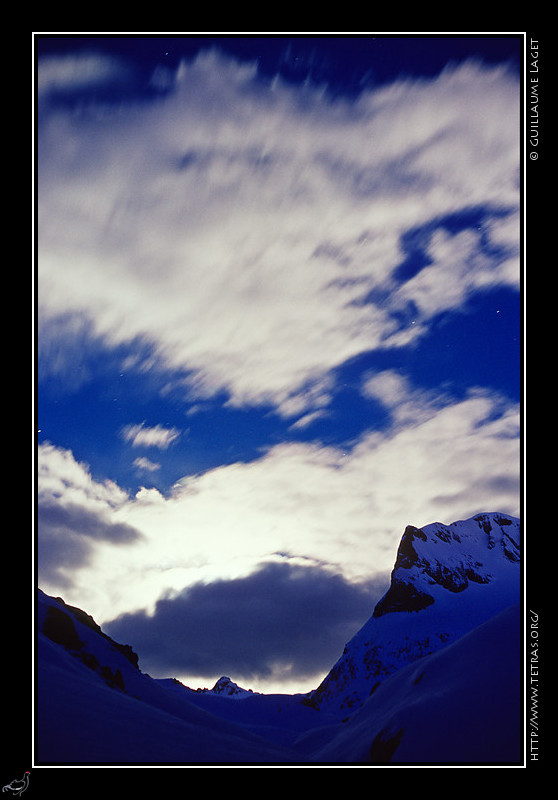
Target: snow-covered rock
[
  {"x": 460, "y": 705},
  {"x": 447, "y": 580},
  {"x": 228, "y": 688}
]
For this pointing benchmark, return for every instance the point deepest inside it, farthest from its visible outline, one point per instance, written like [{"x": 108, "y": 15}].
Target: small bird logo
[{"x": 17, "y": 787}]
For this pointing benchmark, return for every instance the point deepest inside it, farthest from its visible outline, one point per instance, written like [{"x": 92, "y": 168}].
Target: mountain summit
[
  {"x": 227, "y": 688},
  {"x": 447, "y": 580}
]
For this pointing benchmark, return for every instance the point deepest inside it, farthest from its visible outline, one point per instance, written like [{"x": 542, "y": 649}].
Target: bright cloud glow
[{"x": 302, "y": 500}]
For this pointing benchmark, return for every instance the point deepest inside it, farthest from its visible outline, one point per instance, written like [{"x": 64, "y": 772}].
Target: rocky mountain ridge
[{"x": 447, "y": 580}]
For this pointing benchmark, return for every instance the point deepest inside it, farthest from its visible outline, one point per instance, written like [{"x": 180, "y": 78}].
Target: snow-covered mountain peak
[
  {"x": 447, "y": 580},
  {"x": 225, "y": 687},
  {"x": 449, "y": 557}
]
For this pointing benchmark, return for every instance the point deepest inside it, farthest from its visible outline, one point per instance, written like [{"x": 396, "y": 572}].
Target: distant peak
[{"x": 228, "y": 688}]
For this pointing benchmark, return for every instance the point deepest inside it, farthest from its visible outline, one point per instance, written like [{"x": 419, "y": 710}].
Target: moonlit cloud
[
  {"x": 238, "y": 231},
  {"x": 252, "y": 626},
  {"x": 406, "y": 403},
  {"x": 74, "y": 513},
  {"x": 304, "y": 499},
  {"x": 60, "y": 475},
  {"x": 458, "y": 268},
  {"x": 78, "y": 72},
  {"x": 388, "y": 386},
  {"x": 156, "y": 436},
  {"x": 143, "y": 463}
]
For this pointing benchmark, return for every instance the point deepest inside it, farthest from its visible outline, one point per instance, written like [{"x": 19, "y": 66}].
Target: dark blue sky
[
  {"x": 345, "y": 62},
  {"x": 278, "y": 303}
]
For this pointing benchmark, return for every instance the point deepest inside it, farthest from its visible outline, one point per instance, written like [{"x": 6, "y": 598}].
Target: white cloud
[
  {"x": 388, "y": 386},
  {"x": 74, "y": 72},
  {"x": 59, "y": 475},
  {"x": 143, "y": 463},
  {"x": 232, "y": 228},
  {"x": 458, "y": 268},
  {"x": 157, "y": 436},
  {"x": 307, "y": 419},
  {"x": 408, "y": 405},
  {"x": 75, "y": 513}
]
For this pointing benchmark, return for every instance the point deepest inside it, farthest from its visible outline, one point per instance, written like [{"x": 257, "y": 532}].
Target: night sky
[{"x": 278, "y": 318}]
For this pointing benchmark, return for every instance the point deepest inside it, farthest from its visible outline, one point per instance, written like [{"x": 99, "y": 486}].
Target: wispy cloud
[
  {"x": 145, "y": 464},
  {"x": 459, "y": 265},
  {"x": 239, "y": 232},
  {"x": 142, "y": 436},
  {"x": 407, "y": 404},
  {"x": 78, "y": 72}
]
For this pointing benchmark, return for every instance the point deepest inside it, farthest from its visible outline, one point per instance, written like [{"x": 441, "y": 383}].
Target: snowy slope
[
  {"x": 447, "y": 580},
  {"x": 95, "y": 706},
  {"x": 281, "y": 718},
  {"x": 460, "y": 705}
]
